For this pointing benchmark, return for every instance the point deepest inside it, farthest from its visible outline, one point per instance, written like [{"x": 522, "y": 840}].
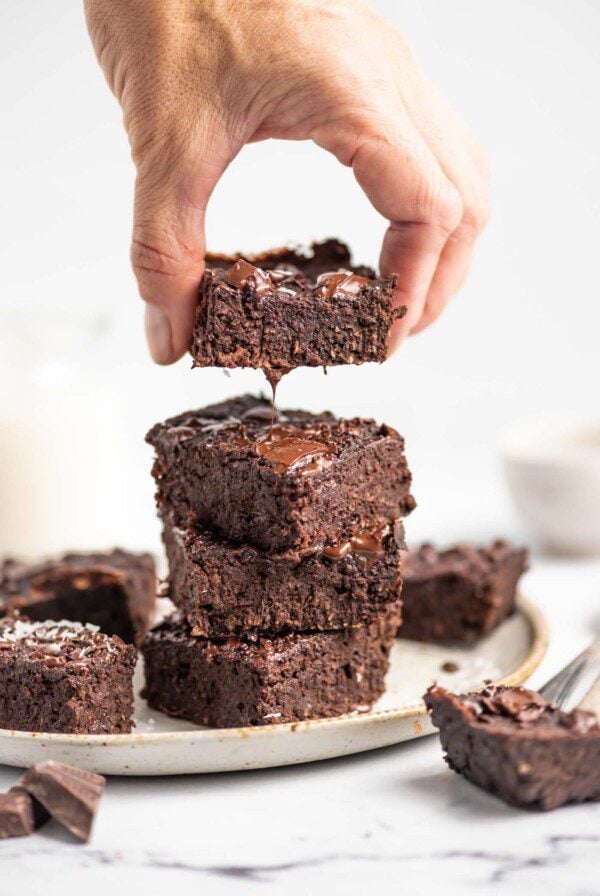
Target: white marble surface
[{"x": 394, "y": 819}]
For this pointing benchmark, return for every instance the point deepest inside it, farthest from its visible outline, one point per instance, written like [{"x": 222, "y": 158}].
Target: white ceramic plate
[{"x": 166, "y": 746}]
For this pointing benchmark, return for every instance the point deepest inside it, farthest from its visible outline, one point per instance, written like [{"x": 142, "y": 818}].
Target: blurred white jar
[
  {"x": 553, "y": 471},
  {"x": 59, "y": 433}
]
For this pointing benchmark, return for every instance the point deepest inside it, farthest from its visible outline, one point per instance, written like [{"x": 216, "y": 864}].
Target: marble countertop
[{"x": 395, "y": 819}]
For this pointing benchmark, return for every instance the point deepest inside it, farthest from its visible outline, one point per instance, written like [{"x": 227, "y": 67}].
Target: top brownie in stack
[
  {"x": 292, "y": 308},
  {"x": 313, "y": 480}
]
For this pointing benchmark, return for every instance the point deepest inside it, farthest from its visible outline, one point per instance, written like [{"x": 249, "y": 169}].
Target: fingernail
[{"x": 158, "y": 335}]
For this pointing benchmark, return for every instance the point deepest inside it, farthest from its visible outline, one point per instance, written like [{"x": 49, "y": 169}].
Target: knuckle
[
  {"x": 477, "y": 210},
  {"x": 441, "y": 204},
  {"x": 152, "y": 259}
]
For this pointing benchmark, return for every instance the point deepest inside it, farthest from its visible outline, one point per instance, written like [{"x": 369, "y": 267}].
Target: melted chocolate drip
[{"x": 274, "y": 376}]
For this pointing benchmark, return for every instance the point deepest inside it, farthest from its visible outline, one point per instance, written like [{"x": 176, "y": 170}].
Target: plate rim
[{"x": 538, "y": 649}]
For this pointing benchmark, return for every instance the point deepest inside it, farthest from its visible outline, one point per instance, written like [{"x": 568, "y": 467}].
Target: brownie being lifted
[
  {"x": 460, "y": 594},
  {"x": 225, "y": 589},
  {"x": 292, "y": 308},
  {"x": 311, "y": 481},
  {"x": 513, "y": 743},
  {"x": 115, "y": 591},
  {"x": 282, "y": 678},
  {"x": 64, "y": 677}
]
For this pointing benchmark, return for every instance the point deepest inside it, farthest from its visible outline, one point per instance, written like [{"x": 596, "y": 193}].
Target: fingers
[
  {"x": 404, "y": 182},
  {"x": 168, "y": 243},
  {"x": 466, "y": 166}
]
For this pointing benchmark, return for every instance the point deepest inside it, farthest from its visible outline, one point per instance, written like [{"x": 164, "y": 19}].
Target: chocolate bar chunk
[
  {"x": 513, "y": 743},
  {"x": 70, "y": 795},
  {"x": 460, "y": 594},
  {"x": 64, "y": 677},
  {"x": 291, "y": 308},
  {"x": 281, "y": 678},
  {"x": 311, "y": 481},
  {"x": 16, "y": 814},
  {"x": 224, "y": 589},
  {"x": 115, "y": 591}
]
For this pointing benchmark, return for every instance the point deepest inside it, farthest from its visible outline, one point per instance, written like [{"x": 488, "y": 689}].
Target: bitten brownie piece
[
  {"x": 224, "y": 589},
  {"x": 313, "y": 480},
  {"x": 284, "y": 678},
  {"x": 292, "y": 308},
  {"x": 64, "y": 677},
  {"x": 513, "y": 743},
  {"x": 115, "y": 591},
  {"x": 460, "y": 594}
]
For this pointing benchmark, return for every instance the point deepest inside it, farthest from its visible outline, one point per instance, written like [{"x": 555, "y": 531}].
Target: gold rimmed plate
[{"x": 164, "y": 746}]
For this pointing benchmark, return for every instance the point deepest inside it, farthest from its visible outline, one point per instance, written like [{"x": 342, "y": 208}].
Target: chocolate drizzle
[
  {"x": 274, "y": 376},
  {"x": 369, "y": 544}
]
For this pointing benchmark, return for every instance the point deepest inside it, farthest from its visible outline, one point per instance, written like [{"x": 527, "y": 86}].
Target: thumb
[{"x": 168, "y": 242}]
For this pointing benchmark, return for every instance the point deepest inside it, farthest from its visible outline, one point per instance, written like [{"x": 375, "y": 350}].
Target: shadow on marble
[
  {"x": 253, "y": 777},
  {"x": 455, "y": 793}
]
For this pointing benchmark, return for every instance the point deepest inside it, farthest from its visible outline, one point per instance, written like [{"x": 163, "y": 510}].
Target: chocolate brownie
[
  {"x": 513, "y": 743},
  {"x": 64, "y": 677},
  {"x": 116, "y": 590},
  {"x": 224, "y": 589},
  {"x": 309, "y": 481},
  {"x": 460, "y": 594},
  {"x": 292, "y": 308},
  {"x": 282, "y": 678}
]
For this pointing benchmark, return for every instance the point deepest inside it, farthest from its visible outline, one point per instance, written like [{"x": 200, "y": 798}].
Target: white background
[{"x": 78, "y": 390}]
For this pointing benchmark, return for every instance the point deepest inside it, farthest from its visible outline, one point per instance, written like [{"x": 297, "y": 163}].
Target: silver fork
[{"x": 578, "y": 684}]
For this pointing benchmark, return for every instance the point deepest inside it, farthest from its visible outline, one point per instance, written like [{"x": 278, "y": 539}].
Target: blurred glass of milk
[{"x": 60, "y": 432}]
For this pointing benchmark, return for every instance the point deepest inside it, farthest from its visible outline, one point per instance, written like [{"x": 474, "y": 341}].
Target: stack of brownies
[
  {"x": 282, "y": 530},
  {"x": 284, "y": 541}
]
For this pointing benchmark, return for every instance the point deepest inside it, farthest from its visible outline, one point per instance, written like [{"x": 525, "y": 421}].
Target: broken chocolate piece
[
  {"x": 71, "y": 795},
  {"x": 16, "y": 814}
]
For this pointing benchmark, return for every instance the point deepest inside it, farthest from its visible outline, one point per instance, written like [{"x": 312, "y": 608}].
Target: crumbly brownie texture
[
  {"x": 292, "y": 308},
  {"x": 115, "y": 591},
  {"x": 460, "y": 594},
  {"x": 285, "y": 678},
  {"x": 70, "y": 795},
  {"x": 64, "y": 677},
  {"x": 519, "y": 747},
  {"x": 224, "y": 589},
  {"x": 314, "y": 480}
]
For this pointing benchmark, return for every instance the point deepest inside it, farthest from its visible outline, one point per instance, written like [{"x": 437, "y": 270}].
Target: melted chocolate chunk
[
  {"x": 340, "y": 283},
  {"x": 71, "y": 795},
  {"x": 290, "y": 447},
  {"x": 369, "y": 544},
  {"x": 244, "y": 274}
]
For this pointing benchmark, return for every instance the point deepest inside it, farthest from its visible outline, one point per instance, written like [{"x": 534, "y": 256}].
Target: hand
[{"x": 198, "y": 79}]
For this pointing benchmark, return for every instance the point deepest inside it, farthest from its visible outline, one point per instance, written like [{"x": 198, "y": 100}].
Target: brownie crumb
[{"x": 450, "y": 666}]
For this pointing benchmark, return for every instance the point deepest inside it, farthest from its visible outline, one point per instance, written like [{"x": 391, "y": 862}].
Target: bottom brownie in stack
[{"x": 286, "y": 678}]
